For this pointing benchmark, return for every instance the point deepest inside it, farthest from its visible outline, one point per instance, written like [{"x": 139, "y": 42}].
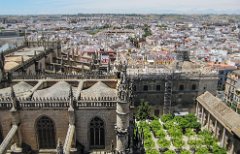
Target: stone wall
[
  {"x": 182, "y": 99},
  {"x": 83, "y": 118},
  {"x": 28, "y": 121}
]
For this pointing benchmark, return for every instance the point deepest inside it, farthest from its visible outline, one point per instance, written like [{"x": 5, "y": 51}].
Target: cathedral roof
[
  {"x": 19, "y": 89},
  {"x": 58, "y": 90},
  {"x": 99, "y": 89},
  {"x": 10, "y": 65}
]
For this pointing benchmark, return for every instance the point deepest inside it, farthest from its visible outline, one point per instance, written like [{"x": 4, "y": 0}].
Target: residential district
[{"x": 123, "y": 84}]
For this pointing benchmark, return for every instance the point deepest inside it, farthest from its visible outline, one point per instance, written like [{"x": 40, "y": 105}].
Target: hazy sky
[{"x": 118, "y": 6}]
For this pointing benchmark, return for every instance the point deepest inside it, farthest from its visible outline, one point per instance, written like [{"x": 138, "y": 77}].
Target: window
[
  {"x": 194, "y": 87},
  {"x": 145, "y": 88},
  {"x": 97, "y": 133},
  {"x": 181, "y": 87},
  {"x": 46, "y": 133},
  {"x": 158, "y": 87}
]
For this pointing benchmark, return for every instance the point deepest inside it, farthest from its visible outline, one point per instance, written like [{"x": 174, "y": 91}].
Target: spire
[
  {"x": 13, "y": 95},
  {"x": 71, "y": 107},
  {"x": 109, "y": 66},
  {"x": 122, "y": 89},
  {"x": 73, "y": 53},
  {"x": 70, "y": 93},
  {"x": 22, "y": 59},
  {"x": 124, "y": 73},
  {"x": 13, "y": 100},
  {"x": 71, "y": 99},
  {"x": 62, "y": 65},
  {"x": 68, "y": 57}
]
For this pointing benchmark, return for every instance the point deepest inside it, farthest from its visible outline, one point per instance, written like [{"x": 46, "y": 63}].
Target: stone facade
[
  {"x": 218, "y": 118},
  {"x": 69, "y": 115},
  {"x": 185, "y": 88},
  {"x": 232, "y": 90}
]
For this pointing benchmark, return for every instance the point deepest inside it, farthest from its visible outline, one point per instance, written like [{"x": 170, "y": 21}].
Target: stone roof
[
  {"x": 59, "y": 90},
  {"x": 226, "y": 116},
  {"x": 186, "y": 65},
  {"x": 99, "y": 89},
  {"x": 10, "y": 65},
  {"x": 19, "y": 89},
  {"x": 29, "y": 51}
]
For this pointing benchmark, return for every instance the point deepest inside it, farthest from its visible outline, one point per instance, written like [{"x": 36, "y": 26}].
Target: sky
[{"x": 23, "y": 7}]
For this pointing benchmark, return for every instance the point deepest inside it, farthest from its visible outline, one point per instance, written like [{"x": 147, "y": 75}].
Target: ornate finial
[
  {"x": 13, "y": 100},
  {"x": 68, "y": 56},
  {"x": 112, "y": 147},
  {"x": 70, "y": 93},
  {"x": 22, "y": 59},
  {"x": 71, "y": 107},
  {"x": 12, "y": 93},
  {"x": 62, "y": 65},
  {"x": 71, "y": 98}
]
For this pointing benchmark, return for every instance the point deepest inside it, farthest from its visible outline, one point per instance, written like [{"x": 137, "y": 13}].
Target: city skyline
[{"x": 24, "y": 7}]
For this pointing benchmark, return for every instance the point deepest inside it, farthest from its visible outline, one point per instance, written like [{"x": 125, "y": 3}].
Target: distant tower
[
  {"x": 183, "y": 54},
  {"x": 122, "y": 114}
]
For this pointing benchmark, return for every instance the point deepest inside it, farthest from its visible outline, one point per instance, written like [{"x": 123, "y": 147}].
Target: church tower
[{"x": 122, "y": 114}]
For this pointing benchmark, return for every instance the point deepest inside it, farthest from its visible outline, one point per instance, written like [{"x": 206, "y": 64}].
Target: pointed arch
[
  {"x": 97, "y": 133},
  {"x": 46, "y": 134}
]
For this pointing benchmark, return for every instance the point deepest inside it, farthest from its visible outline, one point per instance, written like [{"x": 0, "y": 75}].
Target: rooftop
[{"x": 221, "y": 112}]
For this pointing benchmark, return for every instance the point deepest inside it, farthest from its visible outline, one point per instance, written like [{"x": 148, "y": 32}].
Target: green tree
[
  {"x": 166, "y": 117},
  {"x": 218, "y": 150},
  {"x": 143, "y": 111},
  {"x": 170, "y": 152},
  {"x": 202, "y": 150},
  {"x": 185, "y": 152},
  {"x": 152, "y": 151},
  {"x": 164, "y": 143}
]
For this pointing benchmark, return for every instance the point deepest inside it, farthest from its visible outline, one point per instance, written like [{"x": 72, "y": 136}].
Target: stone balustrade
[{"x": 58, "y": 103}]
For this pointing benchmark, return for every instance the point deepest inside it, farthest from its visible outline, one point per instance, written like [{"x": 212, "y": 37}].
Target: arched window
[
  {"x": 194, "y": 87},
  {"x": 145, "y": 88},
  {"x": 181, "y": 87},
  {"x": 1, "y": 136},
  {"x": 97, "y": 133},
  {"x": 46, "y": 133}
]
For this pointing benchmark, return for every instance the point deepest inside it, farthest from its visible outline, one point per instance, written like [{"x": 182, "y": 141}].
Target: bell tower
[{"x": 122, "y": 114}]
